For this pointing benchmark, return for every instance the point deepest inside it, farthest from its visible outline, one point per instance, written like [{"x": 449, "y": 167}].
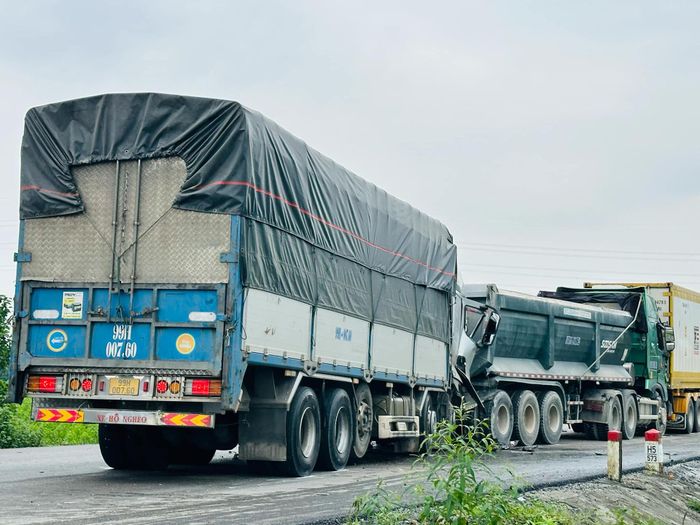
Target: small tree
[{"x": 5, "y": 336}]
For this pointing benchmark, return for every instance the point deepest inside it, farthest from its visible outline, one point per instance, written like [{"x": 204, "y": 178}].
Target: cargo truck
[
  {"x": 679, "y": 308},
  {"x": 556, "y": 362},
  {"x": 192, "y": 277}
]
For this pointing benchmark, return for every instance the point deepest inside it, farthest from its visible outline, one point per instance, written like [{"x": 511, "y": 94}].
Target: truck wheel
[
  {"x": 337, "y": 430},
  {"x": 502, "y": 418},
  {"x": 551, "y": 418},
  {"x": 114, "y": 446},
  {"x": 363, "y": 421},
  {"x": 526, "y": 420},
  {"x": 600, "y": 430},
  {"x": 630, "y": 419},
  {"x": 303, "y": 433},
  {"x": 697, "y": 415},
  {"x": 191, "y": 455},
  {"x": 428, "y": 418},
  {"x": 148, "y": 449},
  {"x": 689, "y": 417},
  {"x": 593, "y": 431}
]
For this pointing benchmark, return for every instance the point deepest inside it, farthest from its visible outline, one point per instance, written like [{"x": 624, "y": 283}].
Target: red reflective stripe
[
  {"x": 46, "y": 190},
  {"x": 323, "y": 221},
  {"x": 614, "y": 435}
]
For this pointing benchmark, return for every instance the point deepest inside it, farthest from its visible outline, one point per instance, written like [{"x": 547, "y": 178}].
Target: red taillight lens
[
  {"x": 46, "y": 384},
  {"x": 203, "y": 387},
  {"x": 87, "y": 385},
  {"x": 200, "y": 387},
  {"x": 162, "y": 386}
]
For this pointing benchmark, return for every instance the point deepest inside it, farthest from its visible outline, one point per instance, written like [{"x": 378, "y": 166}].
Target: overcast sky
[{"x": 557, "y": 140}]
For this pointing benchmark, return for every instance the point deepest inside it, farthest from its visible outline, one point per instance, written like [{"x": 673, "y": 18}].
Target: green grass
[
  {"x": 694, "y": 504},
  {"x": 17, "y": 429}
]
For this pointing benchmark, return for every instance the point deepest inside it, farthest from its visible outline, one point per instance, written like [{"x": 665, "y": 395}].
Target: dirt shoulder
[{"x": 664, "y": 498}]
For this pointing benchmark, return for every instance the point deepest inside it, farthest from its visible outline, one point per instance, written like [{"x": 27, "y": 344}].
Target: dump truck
[
  {"x": 679, "y": 308},
  {"x": 565, "y": 358},
  {"x": 192, "y": 277}
]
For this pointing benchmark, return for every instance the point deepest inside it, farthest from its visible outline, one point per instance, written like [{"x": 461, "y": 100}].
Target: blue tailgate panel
[
  {"x": 195, "y": 344},
  {"x": 155, "y": 324},
  {"x": 120, "y": 341},
  {"x": 56, "y": 341}
]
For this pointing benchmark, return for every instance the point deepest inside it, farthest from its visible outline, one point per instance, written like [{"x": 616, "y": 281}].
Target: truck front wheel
[
  {"x": 338, "y": 431},
  {"x": 526, "y": 410},
  {"x": 303, "y": 433},
  {"x": 501, "y": 417}
]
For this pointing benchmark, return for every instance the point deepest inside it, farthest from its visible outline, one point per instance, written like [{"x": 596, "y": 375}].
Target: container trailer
[
  {"x": 679, "y": 308},
  {"x": 192, "y": 277}
]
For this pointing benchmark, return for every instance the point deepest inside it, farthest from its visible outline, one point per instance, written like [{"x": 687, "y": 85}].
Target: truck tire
[
  {"x": 501, "y": 418},
  {"x": 191, "y": 455},
  {"x": 551, "y": 418},
  {"x": 337, "y": 430},
  {"x": 303, "y": 433},
  {"x": 689, "y": 417},
  {"x": 630, "y": 417},
  {"x": 126, "y": 447},
  {"x": 697, "y": 415},
  {"x": 114, "y": 446},
  {"x": 428, "y": 418},
  {"x": 363, "y": 421},
  {"x": 600, "y": 430},
  {"x": 526, "y": 417},
  {"x": 593, "y": 431}
]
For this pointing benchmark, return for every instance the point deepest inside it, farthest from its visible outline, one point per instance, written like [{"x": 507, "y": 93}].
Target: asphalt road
[{"x": 72, "y": 484}]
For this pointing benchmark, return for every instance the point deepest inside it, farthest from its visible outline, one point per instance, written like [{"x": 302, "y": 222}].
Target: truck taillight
[
  {"x": 45, "y": 384},
  {"x": 203, "y": 387}
]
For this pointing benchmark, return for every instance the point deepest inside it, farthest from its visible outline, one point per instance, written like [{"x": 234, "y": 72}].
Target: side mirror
[
  {"x": 669, "y": 339},
  {"x": 491, "y": 329}
]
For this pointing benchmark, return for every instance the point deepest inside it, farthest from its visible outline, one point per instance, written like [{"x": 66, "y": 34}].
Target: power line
[
  {"x": 584, "y": 250},
  {"x": 577, "y": 255},
  {"x": 518, "y": 267}
]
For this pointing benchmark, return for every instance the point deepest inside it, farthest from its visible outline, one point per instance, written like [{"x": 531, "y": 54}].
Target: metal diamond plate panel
[
  {"x": 173, "y": 246},
  {"x": 75, "y": 247}
]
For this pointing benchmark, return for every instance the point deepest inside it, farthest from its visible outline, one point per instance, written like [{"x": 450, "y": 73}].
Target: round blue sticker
[{"x": 56, "y": 340}]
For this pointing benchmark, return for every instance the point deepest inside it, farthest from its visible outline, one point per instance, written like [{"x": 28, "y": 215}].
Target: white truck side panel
[
  {"x": 392, "y": 350},
  {"x": 431, "y": 358},
  {"x": 686, "y": 326},
  {"x": 341, "y": 339},
  {"x": 275, "y": 324}
]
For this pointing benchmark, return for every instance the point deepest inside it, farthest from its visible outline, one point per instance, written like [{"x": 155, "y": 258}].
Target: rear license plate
[{"x": 124, "y": 386}]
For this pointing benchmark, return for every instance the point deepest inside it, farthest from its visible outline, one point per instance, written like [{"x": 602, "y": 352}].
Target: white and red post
[
  {"x": 654, "y": 452},
  {"x": 615, "y": 455}
]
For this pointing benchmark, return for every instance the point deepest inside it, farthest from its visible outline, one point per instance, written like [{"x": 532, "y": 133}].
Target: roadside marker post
[
  {"x": 615, "y": 455},
  {"x": 654, "y": 452}
]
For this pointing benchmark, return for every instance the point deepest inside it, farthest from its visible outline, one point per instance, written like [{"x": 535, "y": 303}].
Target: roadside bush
[
  {"x": 444, "y": 488},
  {"x": 16, "y": 427}
]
